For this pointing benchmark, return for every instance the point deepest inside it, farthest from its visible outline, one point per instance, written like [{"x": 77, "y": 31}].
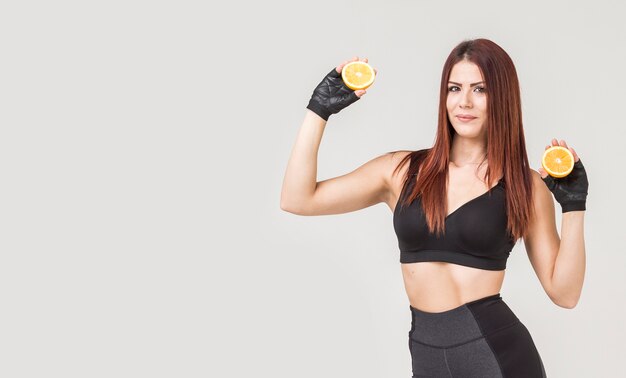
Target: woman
[{"x": 458, "y": 210}]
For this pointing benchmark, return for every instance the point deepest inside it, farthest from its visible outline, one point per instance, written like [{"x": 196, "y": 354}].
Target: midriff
[{"x": 434, "y": 286}]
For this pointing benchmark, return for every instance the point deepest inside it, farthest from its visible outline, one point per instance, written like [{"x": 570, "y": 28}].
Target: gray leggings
[{"x": 481, "y": 338}]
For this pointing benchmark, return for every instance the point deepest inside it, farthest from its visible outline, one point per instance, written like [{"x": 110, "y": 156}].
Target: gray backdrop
[{"x": 142, "y": 154}]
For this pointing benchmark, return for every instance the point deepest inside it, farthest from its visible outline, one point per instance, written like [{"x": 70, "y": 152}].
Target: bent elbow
[
  {"x": 566, "y": 304},
  {"x": 567, "y": 300},
  {"x": 571, "y": 305},
  {"x": 291, "y": 209},
  {"x": 285, "y": 207}
]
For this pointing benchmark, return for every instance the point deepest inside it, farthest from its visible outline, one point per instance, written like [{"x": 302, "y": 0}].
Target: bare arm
[
  {"x": 569, "y": 267},
  {"x": 303, "y": 195},
  {"x": 365, "y": 186},
  {"x": 301, "y": 174},
  {"x": 558, "y": 261}
]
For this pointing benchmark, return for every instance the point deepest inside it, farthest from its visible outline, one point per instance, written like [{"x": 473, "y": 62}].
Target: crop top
[{"x": 476, "y": 233}]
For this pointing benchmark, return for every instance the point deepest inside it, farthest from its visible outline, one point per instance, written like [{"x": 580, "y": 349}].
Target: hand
[
  {"x": 570, "y": 191},
  {"x": 331, "y": 94}
]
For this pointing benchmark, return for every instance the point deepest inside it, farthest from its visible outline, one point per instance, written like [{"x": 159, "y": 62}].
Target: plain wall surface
[{"x": 142, "y": 153}]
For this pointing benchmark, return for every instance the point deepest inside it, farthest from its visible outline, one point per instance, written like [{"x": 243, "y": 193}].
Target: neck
[{"x": 467, "y": 151}]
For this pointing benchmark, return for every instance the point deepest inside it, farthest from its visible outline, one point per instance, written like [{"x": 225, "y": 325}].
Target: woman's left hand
[{"x": 569, "y": 191}]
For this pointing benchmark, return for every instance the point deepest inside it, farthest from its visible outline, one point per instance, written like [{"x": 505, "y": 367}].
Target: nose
[{"x": 465, "y": 101}]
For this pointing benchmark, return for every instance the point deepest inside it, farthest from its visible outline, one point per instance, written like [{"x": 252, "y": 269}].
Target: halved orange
[
  {"x": 558, "y": 161},
  {"x": 358, "y": 75}
]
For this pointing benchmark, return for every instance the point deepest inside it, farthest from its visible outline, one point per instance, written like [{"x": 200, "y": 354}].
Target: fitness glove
[
  {"x": 331, "y": 95},
  {"x": 570, "y": 191}
]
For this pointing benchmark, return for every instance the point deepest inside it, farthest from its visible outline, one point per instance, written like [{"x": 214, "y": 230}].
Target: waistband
[
  {"x": 479, "y": 300},
  {"x": 467, "y": 322}
]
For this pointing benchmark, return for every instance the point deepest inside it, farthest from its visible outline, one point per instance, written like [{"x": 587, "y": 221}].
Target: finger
[
  {"x": 365, "y": 60},
  {"x": 555, "y": 142},
  {"x": 547, "y": 147},
  {"x": 355, "y": 58},
  {"x": 360, "y": 92},
  {"x": 562, "y": 143},
  {"x": 340, "y": 67},
  {"x": 576, "y": 158},
  {"x": 375, "y": 71}
]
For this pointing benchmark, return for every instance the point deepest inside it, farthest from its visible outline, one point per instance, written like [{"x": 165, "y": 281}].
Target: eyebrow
[{"x": 471, "y": 85}]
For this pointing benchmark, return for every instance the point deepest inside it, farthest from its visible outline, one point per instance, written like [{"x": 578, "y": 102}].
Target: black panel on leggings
[{"x": 509, "y": 339}]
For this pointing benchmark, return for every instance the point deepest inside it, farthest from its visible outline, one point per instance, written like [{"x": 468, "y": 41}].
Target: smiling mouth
[{"x": 463, "y": 119}]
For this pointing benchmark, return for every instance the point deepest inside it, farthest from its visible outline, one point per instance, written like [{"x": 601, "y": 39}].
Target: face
[{"x": 467, "y": 96}]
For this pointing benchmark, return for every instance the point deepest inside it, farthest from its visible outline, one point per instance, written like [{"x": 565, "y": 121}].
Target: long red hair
[{"x": 506, "y": 148}]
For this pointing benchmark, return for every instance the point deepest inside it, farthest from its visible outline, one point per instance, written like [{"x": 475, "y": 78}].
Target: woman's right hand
[{"x": 331, "y": 94}]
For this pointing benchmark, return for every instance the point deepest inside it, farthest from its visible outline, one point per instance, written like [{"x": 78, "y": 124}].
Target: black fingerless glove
[
  {"x": 570, "y": 191},
  {"x": 331, "y": 95}
]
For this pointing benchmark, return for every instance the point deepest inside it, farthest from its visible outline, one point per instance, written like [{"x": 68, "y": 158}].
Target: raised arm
[{"x": 303, "y": 195}]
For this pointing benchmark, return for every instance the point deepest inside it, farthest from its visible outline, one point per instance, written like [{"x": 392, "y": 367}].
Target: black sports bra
[{"x": 475, "y": 234}]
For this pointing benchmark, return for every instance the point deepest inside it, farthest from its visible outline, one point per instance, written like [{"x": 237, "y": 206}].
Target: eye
[{"x": 481, "y": 89}]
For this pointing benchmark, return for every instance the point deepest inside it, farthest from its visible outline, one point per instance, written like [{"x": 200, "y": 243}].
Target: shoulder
[
  {"x": 542, "y": 197},
  {"x": 397, "y": 156},
  {"x": 537, "y": 181},
  {"x": 536, "y": 178},
  {"x": 394, "y": 167},
  {"x": 382, "y": 168},
  {"x": 397, "y": 162}
]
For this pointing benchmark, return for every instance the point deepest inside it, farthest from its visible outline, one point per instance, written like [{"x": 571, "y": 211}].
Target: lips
[{"x": 465, "y": 116}]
